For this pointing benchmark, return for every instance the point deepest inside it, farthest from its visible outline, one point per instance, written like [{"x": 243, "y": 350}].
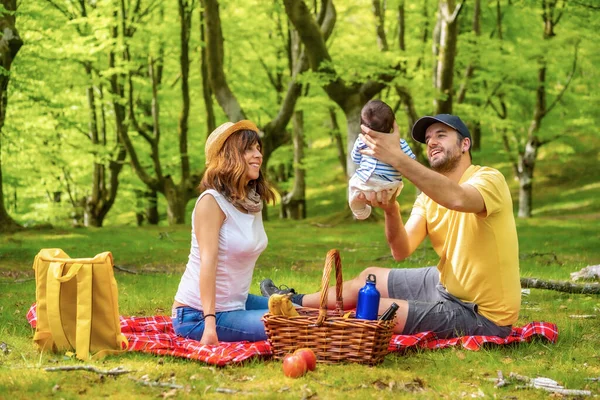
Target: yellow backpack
[{"x": 77, "y": 304}]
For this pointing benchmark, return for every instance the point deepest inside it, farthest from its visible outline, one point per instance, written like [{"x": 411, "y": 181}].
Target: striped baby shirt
[{"x": 370, "y": 166}]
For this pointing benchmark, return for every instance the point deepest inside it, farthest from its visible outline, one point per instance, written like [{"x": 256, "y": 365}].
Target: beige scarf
[{"x": 252, "y": 203}]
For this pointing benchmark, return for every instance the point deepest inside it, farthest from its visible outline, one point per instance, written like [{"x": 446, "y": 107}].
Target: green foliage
[
  {"x": 550, "y": 248},
  {"x": 44, "y": 138},
  {"x": 44, "y": 148}
]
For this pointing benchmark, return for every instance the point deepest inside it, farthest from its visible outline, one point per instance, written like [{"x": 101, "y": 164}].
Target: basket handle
[{"x": 332, "y": 259}]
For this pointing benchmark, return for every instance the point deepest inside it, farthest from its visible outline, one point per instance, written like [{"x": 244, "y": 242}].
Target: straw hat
[{"x": 215, "y": 140}]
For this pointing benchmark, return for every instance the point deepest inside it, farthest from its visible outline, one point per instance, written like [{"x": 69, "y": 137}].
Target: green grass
[{"x": 562, "y": 238}]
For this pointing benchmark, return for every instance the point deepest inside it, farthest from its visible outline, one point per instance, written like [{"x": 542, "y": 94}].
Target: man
[{"x": 466, "y": 210}]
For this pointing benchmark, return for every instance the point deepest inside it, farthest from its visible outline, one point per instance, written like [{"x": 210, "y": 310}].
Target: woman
[{"x": 212, "y": 302}]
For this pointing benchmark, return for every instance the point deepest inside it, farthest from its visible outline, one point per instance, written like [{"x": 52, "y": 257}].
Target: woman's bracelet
[{"x": 210, "y": 315}]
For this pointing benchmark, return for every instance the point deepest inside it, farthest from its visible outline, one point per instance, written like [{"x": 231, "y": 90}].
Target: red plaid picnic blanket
[{"x": 155, "y": 335}]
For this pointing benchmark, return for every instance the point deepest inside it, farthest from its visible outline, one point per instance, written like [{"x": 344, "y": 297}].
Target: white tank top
[{"x": 242, "y": 239}]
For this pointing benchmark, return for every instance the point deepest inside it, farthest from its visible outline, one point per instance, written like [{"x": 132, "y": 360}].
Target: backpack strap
[
  {"x": 42, "y": 336},
  {"x": 84, "y": 312},
  {"x": 53, "y": 285}
]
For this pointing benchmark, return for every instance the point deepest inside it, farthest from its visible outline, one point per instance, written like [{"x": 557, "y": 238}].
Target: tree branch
[
  {"x": 569, "y": 79},
  {"x": 590, "y": 6},
  {"x": 214, "y": 51},
  {"x": 380, "y": 25},
  {"x": 561, "y": 286},
  {"x": 511, "y": 157},
  {"x": 560, "y": 13},
  {"x": 114, "y": 371},
  {"x": 327, "y": 16},
  {"x": 451, "y": 18},
  {"x": 63, "y": 11},
  {"x": 316, "y": 49},
  {"x": 273, "y": 81},
  {"x": 138, "y": 128},
  {"x": 546, "y": 141},
  {"x": 157, "y": 384}
]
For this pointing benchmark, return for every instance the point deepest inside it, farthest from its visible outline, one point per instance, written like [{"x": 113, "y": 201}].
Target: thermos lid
[{"x": 371, "y": 278}]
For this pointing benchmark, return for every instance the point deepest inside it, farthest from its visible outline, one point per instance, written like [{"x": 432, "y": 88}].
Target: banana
[
  {"x": 275, "y": 304},
  {"x": 281, "y": 304},
  {"x": 287, "y": 307}
]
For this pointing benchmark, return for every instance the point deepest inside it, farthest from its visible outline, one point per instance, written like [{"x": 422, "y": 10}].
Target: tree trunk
[
  {"x": 350, "y": 97},
  {"x": 7, "y": 224},
  {"x": 337, "y": 138},
  {"x": 151, "y": 207},
  {"x": 206, "y": 90},
  {"x": 475, "y": 129},
  {"x": 98, "y": 204},
  {"x": 176, "y": 195},
  {"x": 526, "y": 168},
  {"x": 528, "y": 158},
  {"x": 215, "y": 51},
  {"x": 352, "y": 112},
  {"x": 379, "y": 13},
  {"x": 404, "y": 92},
  {"x": 447, "y": 52},
  {"x": 412, "y": 117},
  {"x": 176, "y": 202},
  {"x": 468, "y": 84},
  {"x": 470, "y": 69},
  {"x": 10, "y": 43},
  {"x": 146, "y": 209},
  {"x": 185, "y": 14},
  {"x": 401, "y": 26},
  {"x": 295, "y": 201},
  {"x": 274, "y": 131}
]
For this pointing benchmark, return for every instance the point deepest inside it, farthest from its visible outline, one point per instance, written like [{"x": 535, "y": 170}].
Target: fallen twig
[
  {"x": 129, "y": 271},
  {"x": 22, "y": 280},
  {"x": 89, "y": 368},
  {"x": 162, "y": 235},
  {"x": 548, "y": 385},
  {"x": 157, "y": 384},
  {"x": 500, "y": 382},
  {"x": 561, "y": 286},
  {"x": 589, "y": 272},
  {"x": 226, "y": 390},
  {"x": 536, "y": 254}
]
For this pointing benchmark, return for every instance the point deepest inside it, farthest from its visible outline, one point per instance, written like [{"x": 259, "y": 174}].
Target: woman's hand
[{"x": 210, "y": 337}]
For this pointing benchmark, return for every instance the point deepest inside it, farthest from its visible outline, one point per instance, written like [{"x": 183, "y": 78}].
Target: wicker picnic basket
[{"x": 333, "y": 337}]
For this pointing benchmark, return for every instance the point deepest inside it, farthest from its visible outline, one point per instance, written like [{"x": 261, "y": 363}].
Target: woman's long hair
[{"x": 226, "y": 173}]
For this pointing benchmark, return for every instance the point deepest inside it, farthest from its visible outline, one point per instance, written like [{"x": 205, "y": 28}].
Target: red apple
[
  {"x": 309, "y": 357},
  {"x": 294, "y": 366}
]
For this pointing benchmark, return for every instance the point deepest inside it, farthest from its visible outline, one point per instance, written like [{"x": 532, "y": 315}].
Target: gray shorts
[{"x": 432, "y": 308}]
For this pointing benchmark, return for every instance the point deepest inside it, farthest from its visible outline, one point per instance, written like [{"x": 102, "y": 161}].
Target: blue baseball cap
[{"x": 454, "y": 122}]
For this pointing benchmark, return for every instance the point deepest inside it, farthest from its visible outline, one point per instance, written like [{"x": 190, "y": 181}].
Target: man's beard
[{"x": 447, "y": 163}]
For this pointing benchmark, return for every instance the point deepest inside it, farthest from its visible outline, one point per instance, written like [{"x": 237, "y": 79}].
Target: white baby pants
[{"x": 373, "y": 187}]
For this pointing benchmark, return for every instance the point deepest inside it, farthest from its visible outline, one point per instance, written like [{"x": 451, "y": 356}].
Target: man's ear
[{"x": 466, "y": 144}]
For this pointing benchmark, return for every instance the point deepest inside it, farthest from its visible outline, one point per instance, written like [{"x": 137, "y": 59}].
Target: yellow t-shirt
[{"x": 479, "y": 253}]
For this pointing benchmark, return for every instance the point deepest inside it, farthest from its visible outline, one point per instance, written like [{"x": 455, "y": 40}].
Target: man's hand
[
  {"x": 383, "y": 146},
  {"x": 388, "y": 205}
]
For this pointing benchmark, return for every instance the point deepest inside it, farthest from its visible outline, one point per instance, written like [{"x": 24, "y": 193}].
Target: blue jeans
[{"x": 232, "y": 326}]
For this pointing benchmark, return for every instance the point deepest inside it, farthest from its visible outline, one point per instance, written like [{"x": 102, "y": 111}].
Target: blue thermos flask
[{"x": 367, "y": 306}]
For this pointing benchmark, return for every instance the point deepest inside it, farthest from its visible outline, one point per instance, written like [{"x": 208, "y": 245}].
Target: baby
[{"x": 372, "y": 175}]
